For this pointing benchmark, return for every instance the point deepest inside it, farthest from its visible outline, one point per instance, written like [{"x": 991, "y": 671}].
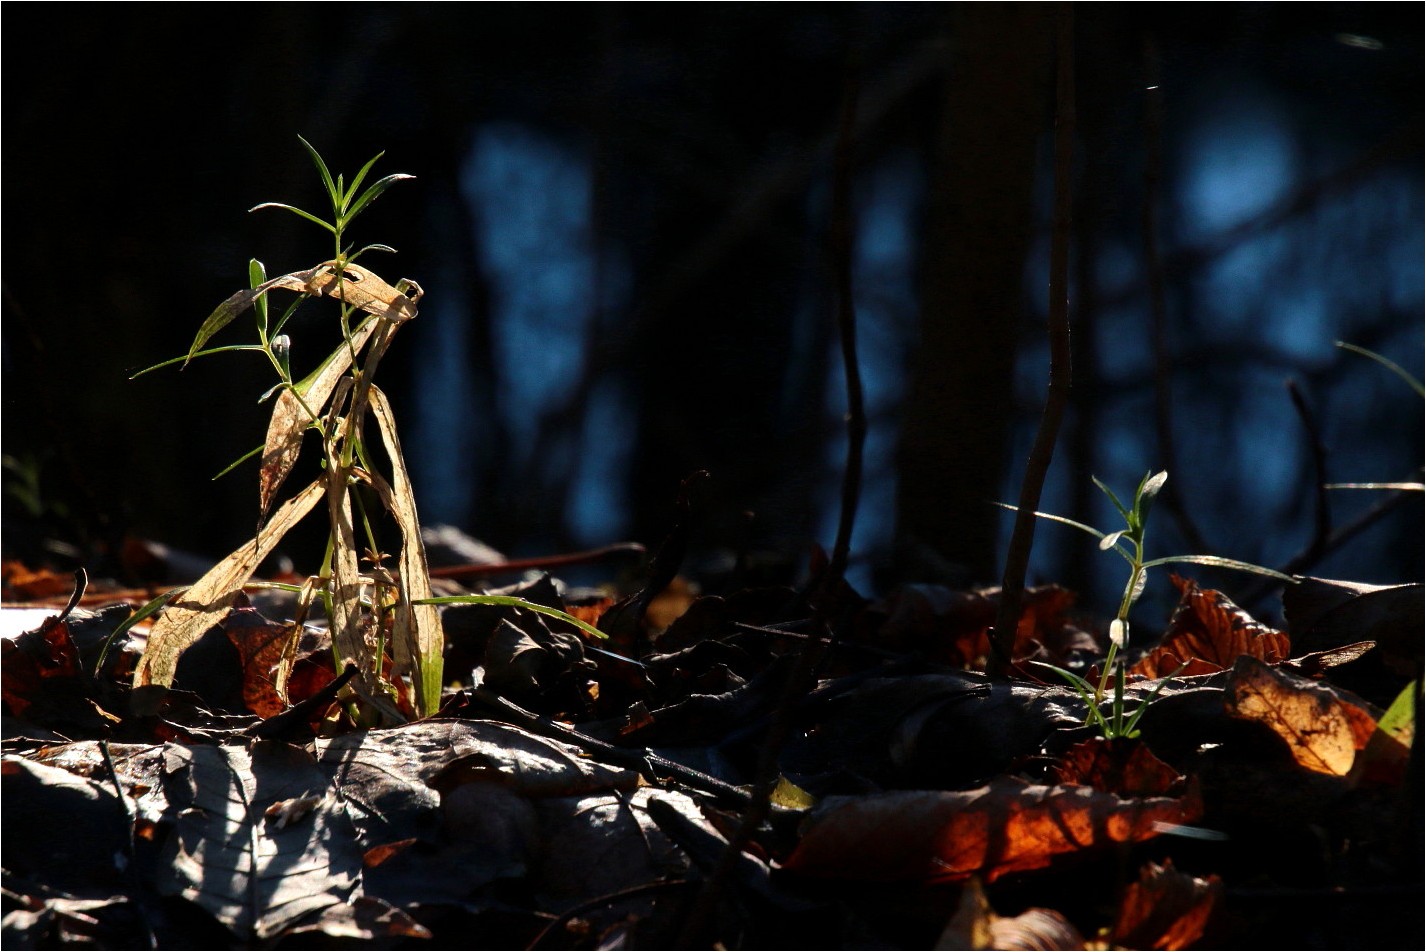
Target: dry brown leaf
[
  {"x": 418, "y": 640},
  {"x": 1004, "y": 827},
  {"x": 976, "y": 926},
  {"x": 201, "y": 607},
  {"x": 1119, "y": 766},
  {"x": 1321, "y": 729},
  {"x": 262, "y": 645},
  {"x": 290, "y": 418},
  {"x": 1208, "y": 633},
  {"x": 1165, "y": 909},
  {"x": 362, "y": 288}
]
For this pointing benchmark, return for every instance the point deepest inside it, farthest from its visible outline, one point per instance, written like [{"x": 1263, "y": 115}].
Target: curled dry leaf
[
  {"x": 1004, "y": 827},
  {"x": 1322, "y": 729},
  {"x": 1165, "y": 909},
  {"x": 417, "y": 637},
  {"x": 1208, "y": 633},
  {"x": 290, "y": 417},
  {"x": 976, "y": 926}
]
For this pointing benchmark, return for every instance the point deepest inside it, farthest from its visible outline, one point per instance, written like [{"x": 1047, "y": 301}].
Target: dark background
[{"x": 620, "y": 220}]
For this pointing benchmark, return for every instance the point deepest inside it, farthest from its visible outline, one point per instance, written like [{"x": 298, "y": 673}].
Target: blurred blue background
[{"x": 620, "y": 222}]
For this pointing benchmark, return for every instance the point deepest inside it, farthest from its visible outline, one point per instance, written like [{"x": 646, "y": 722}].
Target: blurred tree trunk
[{"x": 978, "y": 231}]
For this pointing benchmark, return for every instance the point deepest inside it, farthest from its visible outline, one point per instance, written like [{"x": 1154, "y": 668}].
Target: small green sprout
[
  {"x": 1129, "y": 544},
  {"x": 367, "y": 611}
]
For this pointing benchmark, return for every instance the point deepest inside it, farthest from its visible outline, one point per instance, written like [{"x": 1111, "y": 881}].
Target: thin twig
[
  {"x": 1322, "y": 521},
  {"x": 1022, "y": 538},
  {"x": 841, "y": 228},
  {"x": 1303, "y": 560}
]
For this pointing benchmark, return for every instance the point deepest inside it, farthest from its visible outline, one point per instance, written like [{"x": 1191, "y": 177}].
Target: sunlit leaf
[
  {"x": 332, "y": 191},
  {"x": 1165, "y": 909},
  {"x": 201, "y": 606},
  {"x": 417, "y": 636},
  {"x": 1207, "y": 634},
  {"x": 939, "y": 835},
  {"x": 1322, "y": 730}
]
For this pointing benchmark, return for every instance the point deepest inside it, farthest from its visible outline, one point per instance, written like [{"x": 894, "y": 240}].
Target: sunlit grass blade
[
  {"x": 202, "y": 353},
  {"x": 123, "y": 626},
  {"x": 1391, "y": 365},
  {"x": 516, "y": 602},
  {"x": 1054, "y": 518},
  {"x": 1123, "y": 512},
  {"x": 356, "y": 182},
  {"x": 1218, "y": 562},
  {"x": 327, "y": 182},
  {"x": 297, "y": 211},
  {"x": 370, "y": 195},
  {"x": 237, "y": 462}
]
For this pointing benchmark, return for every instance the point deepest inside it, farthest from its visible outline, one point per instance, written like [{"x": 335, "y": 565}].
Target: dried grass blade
[
  {"x": 418, "y": 641},
  {"x": 204, "y": 604}
]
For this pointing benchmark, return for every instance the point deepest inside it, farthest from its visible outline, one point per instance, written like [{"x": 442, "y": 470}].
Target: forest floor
[{"x": 721, "y": 772}]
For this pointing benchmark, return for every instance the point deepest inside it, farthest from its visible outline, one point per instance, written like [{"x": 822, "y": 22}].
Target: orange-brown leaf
[
  {"x": 261, "y": 646},
  {"x": 1165, "y": 909},
  {"x": 1120, "y": 766},
  {"x": 1004, "y": 827},
  {"x": 976, "y": 926},
  {"x": 1208, "y": 633},
  {"x": 1322, "y": 730}
]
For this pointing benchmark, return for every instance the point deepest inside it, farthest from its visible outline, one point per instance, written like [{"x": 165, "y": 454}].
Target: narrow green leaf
[
  {"x": 1217, "y": 561},
  {"x": 297, "y": 211},
  {"x": 1054, "y": 518},
  {"x": 321, "y": 170},
  {"x": 370, "y": 195},
  {"x": 1391, "y": 365},
  {"x": 360, "y": 177},
  {"x": 237, "y": 462},
  {"x": 1123, "y": 512},
  {"x": 515, "y": 601},
  {"x": 130, "y": 622},
  {"x": 257, "y": 276},
  {"x": 201, "y": 353}
]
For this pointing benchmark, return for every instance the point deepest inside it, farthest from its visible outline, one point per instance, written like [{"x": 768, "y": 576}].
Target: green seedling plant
[
  {"x": 374, "y": 613},
  {"x": 1128, "y": 542}
]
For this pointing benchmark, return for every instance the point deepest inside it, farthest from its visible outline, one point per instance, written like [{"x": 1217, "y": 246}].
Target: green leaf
[
  {"x": 1391, "y": 365},
  {"x": 356, "y": 182},
  {"x": 237, "y": 462},
  {"x": 201, "y": 353},
  {"x": 331, "y": 186},
  {"x": 370, "y": 195},
  {"x": 1144, "y": 498},
  {"x": 297, "y": 211},
  {"x": 1123, "y": 512},
  {"x": 1086, "y": 693},
  {"x": 515, "y": 601},
  {"x": 1217, "y": 561},
  {"x": 130, "y": 622},
  {"x": 1054, "y": 518},
  {"x": 257, "y": 276}
]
